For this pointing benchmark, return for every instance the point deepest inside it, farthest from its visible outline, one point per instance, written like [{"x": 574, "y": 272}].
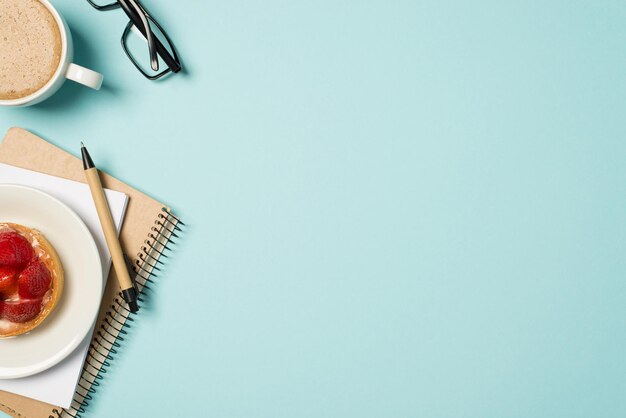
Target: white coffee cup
[{"x": 66, "y": 69}]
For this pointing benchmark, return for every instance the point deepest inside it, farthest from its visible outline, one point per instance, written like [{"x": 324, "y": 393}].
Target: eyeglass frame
[{"x": 140, "y": 18}]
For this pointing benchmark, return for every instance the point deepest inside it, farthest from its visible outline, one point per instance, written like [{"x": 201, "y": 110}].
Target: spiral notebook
[{"x": 146, "y": 235}]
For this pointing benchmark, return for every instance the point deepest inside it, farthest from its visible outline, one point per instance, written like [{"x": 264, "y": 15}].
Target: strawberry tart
[{"x": 31, "y": 279}]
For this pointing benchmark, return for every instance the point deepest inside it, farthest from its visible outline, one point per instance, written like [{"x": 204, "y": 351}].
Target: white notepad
[{"x": 57, "y": 384}]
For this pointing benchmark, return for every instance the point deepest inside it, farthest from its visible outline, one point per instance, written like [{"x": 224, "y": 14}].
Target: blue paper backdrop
[{"x": 395, "y": 208}]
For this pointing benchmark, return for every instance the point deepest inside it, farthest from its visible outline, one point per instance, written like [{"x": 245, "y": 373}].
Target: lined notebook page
[{"x": 57, "y": 384}]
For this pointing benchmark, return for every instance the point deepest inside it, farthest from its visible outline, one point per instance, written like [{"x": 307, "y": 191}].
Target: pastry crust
[{"x": 48, "y": 255}]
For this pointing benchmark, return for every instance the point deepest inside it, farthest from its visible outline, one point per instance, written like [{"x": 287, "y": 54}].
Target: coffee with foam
[{"x": 30, "y": 47}]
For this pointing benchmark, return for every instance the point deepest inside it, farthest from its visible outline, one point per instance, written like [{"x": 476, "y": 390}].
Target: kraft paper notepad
[{"x": 146, "y": 233}]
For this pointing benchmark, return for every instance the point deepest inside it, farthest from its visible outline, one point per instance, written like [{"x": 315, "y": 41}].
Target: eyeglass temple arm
[
  {"x": 171, "y": 62},
  {"x": 143, "y": 15},
  {"x": 105, "y": 7},
  {"x": 147, "y": 32}
]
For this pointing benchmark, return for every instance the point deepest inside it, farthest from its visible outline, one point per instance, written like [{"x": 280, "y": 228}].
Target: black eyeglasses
[{"x": 160, "y": 47}]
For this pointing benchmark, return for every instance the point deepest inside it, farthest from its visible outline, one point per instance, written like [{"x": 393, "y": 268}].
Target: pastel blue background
[{"x": 395, "y": 209}]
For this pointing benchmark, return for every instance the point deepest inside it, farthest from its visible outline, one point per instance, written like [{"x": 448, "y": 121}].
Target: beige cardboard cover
[{"x": 22, "y": 149}]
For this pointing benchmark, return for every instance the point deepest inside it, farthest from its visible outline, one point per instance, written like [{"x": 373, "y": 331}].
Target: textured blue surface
[{"x": 398, "y": 208}]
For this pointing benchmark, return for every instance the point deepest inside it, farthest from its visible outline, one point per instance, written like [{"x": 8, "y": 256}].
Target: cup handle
[{"x": 84, "y": 76}]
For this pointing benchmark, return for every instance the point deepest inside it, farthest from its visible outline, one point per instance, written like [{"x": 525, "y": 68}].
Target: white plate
[{"x": 74, "y": 315}]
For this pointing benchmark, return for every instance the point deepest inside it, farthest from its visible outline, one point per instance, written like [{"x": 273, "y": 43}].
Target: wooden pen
[{"x": 110, "y": 233}]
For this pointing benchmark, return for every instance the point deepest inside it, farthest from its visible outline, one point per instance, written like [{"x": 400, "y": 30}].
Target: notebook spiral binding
[{"x": 111, "y": 332}]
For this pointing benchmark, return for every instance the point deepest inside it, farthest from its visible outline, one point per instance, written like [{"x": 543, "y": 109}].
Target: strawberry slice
[
  {"x": 7, "y": 280},
  {"x": 15, "y": 250},
  {"x": 21, "y": 311},
  {"x": 34, "y": 280}
]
